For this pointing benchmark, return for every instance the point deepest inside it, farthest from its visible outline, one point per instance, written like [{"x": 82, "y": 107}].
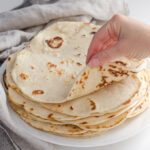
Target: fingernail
[{"x": 94, "y": 62}]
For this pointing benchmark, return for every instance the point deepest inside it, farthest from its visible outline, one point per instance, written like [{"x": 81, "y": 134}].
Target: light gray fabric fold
[{"x": 41, "y": 14}]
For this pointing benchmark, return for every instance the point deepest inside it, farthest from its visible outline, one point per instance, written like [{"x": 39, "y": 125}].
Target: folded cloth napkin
[{"x": 18, "y": 26}]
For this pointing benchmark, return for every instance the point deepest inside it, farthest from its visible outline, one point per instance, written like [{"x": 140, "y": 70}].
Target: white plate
[{"x": 128, "y": 129}]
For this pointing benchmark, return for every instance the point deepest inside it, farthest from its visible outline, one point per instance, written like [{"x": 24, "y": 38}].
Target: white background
[{"x": 140, "y": 10}]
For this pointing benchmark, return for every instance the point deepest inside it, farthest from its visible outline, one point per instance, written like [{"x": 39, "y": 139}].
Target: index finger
[{"x": 97, "y": 42}]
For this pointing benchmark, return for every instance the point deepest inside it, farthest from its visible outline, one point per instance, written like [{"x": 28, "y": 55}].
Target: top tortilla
[{"x": 48, "y": 69}]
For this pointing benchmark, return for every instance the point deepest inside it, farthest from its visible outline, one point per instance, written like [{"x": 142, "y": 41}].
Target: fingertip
[
  {"x": 87, "y": 59},
  {"x": 89, "y": 55},
  {"x": 94, "y": 62}
]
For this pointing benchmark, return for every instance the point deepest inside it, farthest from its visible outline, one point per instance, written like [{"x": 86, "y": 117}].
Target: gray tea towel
[{"x": 17, "y": 27}]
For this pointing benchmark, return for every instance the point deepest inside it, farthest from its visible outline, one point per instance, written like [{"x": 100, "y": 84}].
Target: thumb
[{"x": 105, "y": 55}]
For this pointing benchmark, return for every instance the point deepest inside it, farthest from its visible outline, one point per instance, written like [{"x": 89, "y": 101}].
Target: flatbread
[
  {"x": 108, "y": 124},
  {"x": 9, "y": 66},
  {"x": 35, "y": 108},
  {"x": 46, "y": 69},
  {"x": 94, "y": 120},
  {"x": 62, "y": 129},
  {"x": 104, "y": 75},
  {"x": 108, "y": 99},
  {"x": 44, "y": 126},
  {"x": 140, "y": 108},
  {"x": 16, "y": 98},
  {"x": 39, "y": 111},
  {"x": 52, "y": 89}
]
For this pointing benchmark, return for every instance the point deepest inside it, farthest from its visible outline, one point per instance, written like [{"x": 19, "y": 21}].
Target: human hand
[{"x": 121, "y": 36}]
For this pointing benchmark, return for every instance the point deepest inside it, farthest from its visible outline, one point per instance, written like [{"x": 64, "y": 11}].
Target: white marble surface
[{"x": 139, "y": 9}]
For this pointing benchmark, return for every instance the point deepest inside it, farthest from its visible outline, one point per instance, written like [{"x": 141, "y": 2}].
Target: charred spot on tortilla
[
  {"x": 121, "y": 63},
  {"x": 83, "y": 86},
  {"x": 72, "y": 76},
  {"x": 103, "y": 82},
  {"x": 79, "y": 64},
  {"x": 112, "y": 66},
  {"x": 51, "y": 126},
  {"x": 92, "y": 103},
  {"x": 60, "y": 72},
  {"x": 59, "y": 105},
  {"x": 96, "y": 116},
  {"x": 83, "y": 35},
  {"x": 66, "y": 125},
  {"x": 74, "y": 127},
  {"x": 111, "y": 116},
  {"x": 86, "y": 77},
  {"x": 73, "y": 131},
  {"x": 22, "y": 105},
  {"x": 85, "y": 122},
  {"x": 50, "y": 115},
  {"x": 31, "y": 109},
  {"x": 84, "y": 73},
  {"x": 119, "y": 72},
  {"x": 97, "y": 127},
  {"x": 92, "y": 32},
  {"x": 32, "y": 67},
  {"x": 81, "y": 82},
  {"x": 37, "y": 92},
  {"x": 62, "y": 62},
  {"x": 88, "y": 127},
  {"x": 75, "y": 117},
  {"x": 24, "y": 76},
  {"x": 78, "y": 55},
  {"x": 133, "y": 75},
  {"x": 127, "y": 102},
  {"x": 100, "y": 68},
  {"x": 94, "y": 28},
  {"x": 51, "y": 65},
  {"x": 9, "y": 58},
  {"x": 55, "y": 42},
  {"x": 77, "y": 82},
  {"x": 71, "y": 107}
]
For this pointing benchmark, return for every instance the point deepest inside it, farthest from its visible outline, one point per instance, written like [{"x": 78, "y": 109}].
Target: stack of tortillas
[{"x": 52, "y": 89}]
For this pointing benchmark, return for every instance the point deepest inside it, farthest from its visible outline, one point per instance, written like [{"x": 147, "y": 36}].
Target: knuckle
[{"x": 117, "y": 17}]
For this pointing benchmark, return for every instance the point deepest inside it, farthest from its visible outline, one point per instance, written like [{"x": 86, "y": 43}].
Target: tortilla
[
  {"x": 104, "y": 75},
  {"x": 108, "y": 124},
  {"x": 140, "y": 108},
  {"x": 52, "y": 89},
  {"x": 46, "y": 69},
  {"x": 35, "y": 108},
  {"x": 108, "y": 99},
  {"x": 94, "y": 120},
  {"x": 63, "y": 129}
]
